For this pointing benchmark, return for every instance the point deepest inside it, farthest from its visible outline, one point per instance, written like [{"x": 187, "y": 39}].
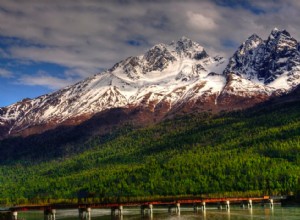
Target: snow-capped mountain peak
[
  {"x": 266, "y": 61},
  {"x": 251, "y": 43},
  {"x": 280, "y": 40},
  {"x": 186, "y": 47},
  {"x": 168, "y": 79},
  {"x": 245, "y": 59},
  {"x": 184, "y": 43},
  {"x": 276, "y": 33}
]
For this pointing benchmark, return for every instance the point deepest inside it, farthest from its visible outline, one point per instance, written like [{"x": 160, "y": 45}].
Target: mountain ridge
[
  {"x": 65, "y": 141},
  {"x": 177, "y": 78}
]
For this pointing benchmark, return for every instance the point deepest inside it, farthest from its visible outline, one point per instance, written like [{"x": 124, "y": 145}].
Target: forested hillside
[{"x": 251, "y": 152}]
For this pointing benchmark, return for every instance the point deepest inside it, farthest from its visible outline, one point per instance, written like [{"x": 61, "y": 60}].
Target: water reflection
[
  {"x": 251, "y": 213},
  {"x": 117, "y": 217},
  {"x": 204, "y": 214},
  {"x": 211, "y": 213},
  {"x": 228, "y": 214},
  {"x": 147, "y": 215}
]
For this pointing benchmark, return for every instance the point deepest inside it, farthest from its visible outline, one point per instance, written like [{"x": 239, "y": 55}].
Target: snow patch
[
  {"x": 283, "y": 60},
  {"x": 281, "y": 82}
]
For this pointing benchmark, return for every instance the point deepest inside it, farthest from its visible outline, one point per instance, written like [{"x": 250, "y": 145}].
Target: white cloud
[
  {"x": 44, "y": 79},
  {"x": 196, "y": 20},
  {"x": 92, "y": 35},
  {"x": 5, "y": 73},
  {"x": 80, "y": 72},
  {"x": 55, "y": 55}
]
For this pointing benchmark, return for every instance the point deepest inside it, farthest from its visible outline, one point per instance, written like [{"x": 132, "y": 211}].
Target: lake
[{"x": 211, "y": 213}]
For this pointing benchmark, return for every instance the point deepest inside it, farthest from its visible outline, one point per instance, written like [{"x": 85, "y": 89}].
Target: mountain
[
  {"x": 167, "y": 80},
  {"x": 273, "y": 62}
]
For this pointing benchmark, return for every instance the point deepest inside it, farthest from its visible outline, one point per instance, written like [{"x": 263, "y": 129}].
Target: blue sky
[{"x": 47, "y": 45}]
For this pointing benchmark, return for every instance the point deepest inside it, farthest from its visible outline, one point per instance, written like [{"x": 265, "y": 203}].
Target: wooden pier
[{"x": 84, "y": 209}]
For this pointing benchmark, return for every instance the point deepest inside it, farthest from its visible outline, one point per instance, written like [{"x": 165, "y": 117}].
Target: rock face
[
  {"x": 169, "y": 79},
  {"x": 274, "y": 62}
]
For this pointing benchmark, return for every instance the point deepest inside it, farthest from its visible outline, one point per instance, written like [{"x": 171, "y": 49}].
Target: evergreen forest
[{"x": 250, "y": 153}]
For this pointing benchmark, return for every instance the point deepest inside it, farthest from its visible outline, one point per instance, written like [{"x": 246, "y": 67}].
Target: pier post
[
  {"x": 14, "y": 215},
  {"x": 271, "y": 203},
  {"x": 49, "y": 214},
  {"x": 177, "y": 208},
  {"x": 120, "y": 208},
  {"x": 195, "y": 206},
  {"x": 203, "y": 206},
  {"x": 53, "y": 214},
  {"x": 84, "y": 213},
  {"x": 227, "y": 204},
  {"x": 81, "y": 213},
  {"x": 249, "y": 204},
  {"x": 220, "y": 206},
  {"x": 117, "y": 210},
  {"x": 112, "y": 211},
  {"x": 148, "y": 208},
  {"x": 88, "y": 211}
]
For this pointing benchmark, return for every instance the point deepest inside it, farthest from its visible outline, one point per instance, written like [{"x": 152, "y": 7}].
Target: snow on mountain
[
  {"x": 274, "y": 62},
  {"x": 165, "y": 73},
  {"x": 178, "y": 77}
]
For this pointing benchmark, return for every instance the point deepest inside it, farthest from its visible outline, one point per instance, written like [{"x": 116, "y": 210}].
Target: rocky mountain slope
[
  {"x": 274, "y": 62},
  {"x": 168, "y": 79}
]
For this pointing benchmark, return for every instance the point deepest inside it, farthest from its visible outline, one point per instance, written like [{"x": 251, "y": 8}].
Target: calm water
[{"x": 211, "y": 213}]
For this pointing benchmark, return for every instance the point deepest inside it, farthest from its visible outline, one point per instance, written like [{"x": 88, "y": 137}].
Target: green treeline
[{"x": 255, "y": 152}]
